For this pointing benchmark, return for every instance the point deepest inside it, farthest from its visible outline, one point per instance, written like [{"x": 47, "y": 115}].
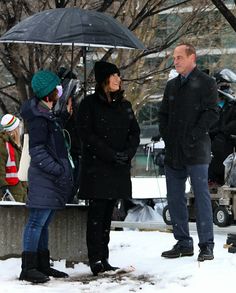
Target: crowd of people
[
  {"x": 109, "y": 137},
  {"x": 87, "y": 148}
]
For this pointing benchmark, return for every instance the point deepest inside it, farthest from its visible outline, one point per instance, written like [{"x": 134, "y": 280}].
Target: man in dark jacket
[
  {"x": 49, "y": 176},
  {"x": 187, "y": 111},
  {"x": 222, "y": 134},
  {"x": 109, "y": 133}
]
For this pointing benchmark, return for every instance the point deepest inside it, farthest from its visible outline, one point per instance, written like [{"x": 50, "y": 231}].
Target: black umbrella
[{"x": 73, "y": 26}]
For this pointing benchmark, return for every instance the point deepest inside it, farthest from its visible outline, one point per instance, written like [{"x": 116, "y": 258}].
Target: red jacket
[{"x": 11, "y": 169}]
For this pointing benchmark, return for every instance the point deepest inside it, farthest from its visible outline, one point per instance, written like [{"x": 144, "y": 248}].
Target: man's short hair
[{"x": 189, "y": 48}]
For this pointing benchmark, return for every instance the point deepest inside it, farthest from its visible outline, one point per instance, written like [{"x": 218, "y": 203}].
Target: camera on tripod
[{"x": 71, "y": 88}]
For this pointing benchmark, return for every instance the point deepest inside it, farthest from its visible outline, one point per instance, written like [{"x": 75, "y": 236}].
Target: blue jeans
[
  {"x": 36, "y": 230},
  {"x": 177, "y": 203}
]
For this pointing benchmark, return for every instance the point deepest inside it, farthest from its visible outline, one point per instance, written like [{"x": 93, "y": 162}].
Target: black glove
[
  {"x": 121, "y": 158},
  {"x": 156, "y": 138}
]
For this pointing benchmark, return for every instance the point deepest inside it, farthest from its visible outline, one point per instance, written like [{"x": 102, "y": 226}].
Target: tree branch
[{"x": 228, "y": 15}]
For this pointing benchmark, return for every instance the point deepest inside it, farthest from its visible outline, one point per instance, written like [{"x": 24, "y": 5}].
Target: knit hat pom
[
  {"x": 103, "y": 70},
  {"x": 9, "y": 122},
  {"x": 44, "y": 82}
]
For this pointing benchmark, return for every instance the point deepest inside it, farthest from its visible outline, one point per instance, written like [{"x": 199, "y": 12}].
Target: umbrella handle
[
  {"x": 85, "y": 69},
  {"x": 72, "y": 57}
]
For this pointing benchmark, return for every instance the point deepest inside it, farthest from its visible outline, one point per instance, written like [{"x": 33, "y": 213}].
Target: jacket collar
[
  {"x": 116, "y": 96},
  {"x": 30, "y": 109},
  {"x": 191, "y": 76}
]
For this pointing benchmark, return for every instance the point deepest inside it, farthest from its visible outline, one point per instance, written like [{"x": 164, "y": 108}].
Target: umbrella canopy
[{"x": 73, "y": 26}]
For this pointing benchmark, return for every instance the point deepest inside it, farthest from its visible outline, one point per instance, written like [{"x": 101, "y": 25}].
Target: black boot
[
  {"x": 206, "y": 253},
  {"x": 29, "y": 267},
  {"x": 44, "y": 266},
  {"x": 107, "y": 266},
  {"x": 96, "y": 267}
]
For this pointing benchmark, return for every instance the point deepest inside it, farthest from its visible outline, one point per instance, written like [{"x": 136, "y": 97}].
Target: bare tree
[
  {"x": 226, "y": 12},
  {"x": 148, "y": 19}
]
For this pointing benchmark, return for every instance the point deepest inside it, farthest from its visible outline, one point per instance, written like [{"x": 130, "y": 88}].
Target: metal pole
[
  {"x": 85, "y": 70},
  {"x": 72, "y": 57}
]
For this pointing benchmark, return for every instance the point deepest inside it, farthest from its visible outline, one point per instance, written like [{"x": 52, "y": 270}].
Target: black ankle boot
[
  {"x": 30, "y": 270},
  {"x": 107, "y": 266},
  {"x": 45, "y": 268},
  {"x": 96, "y": 267}
]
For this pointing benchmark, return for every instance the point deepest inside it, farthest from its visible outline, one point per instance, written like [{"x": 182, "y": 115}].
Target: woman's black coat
[
  {"x": 105, "y": 129},
  {"x": 187, "y": 112},
  {"x": 50, "y": 172}
]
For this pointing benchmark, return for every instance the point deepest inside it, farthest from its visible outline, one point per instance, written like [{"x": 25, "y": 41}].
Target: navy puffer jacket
[{"x": 50, "y": 173}]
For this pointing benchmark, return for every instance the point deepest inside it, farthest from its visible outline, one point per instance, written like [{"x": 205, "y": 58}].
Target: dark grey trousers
[
  {"x": 98, "y": 228},
  {"x": 177, "y": 203}
]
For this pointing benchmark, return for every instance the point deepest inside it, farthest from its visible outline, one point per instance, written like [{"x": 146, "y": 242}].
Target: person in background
[
  {"x": 50, "y": 176},
  {"x": 71, "y": 126},
  {"x": 10, "y": 153},
  {"x": 223, "y": 132},
  {"x": 187, "y": 111},
  {"x": 109, "y": 133}
]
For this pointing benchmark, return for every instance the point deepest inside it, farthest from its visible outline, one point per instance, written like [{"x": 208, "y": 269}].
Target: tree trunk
[{"x": 228, "y": 15}]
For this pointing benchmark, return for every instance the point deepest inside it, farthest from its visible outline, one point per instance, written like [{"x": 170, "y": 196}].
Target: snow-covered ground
[{"x": 153, "y": 273}]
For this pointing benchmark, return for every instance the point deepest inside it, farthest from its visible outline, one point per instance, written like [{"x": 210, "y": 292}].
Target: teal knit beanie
[{"x": 44, "y": 82}]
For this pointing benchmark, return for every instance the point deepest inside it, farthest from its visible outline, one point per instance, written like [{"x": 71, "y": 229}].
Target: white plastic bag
[
  {"x": 142, "y": 213},
  {"x": 24, "y": 160}
]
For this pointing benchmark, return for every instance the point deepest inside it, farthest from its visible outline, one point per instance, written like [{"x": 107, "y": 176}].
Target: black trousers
[{"x": 98, "y": 228}]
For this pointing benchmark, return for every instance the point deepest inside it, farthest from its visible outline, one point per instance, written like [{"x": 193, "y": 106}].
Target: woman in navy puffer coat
[
  {"x": 49, "y": 172},
  {"x": 49, "y": 176}
]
